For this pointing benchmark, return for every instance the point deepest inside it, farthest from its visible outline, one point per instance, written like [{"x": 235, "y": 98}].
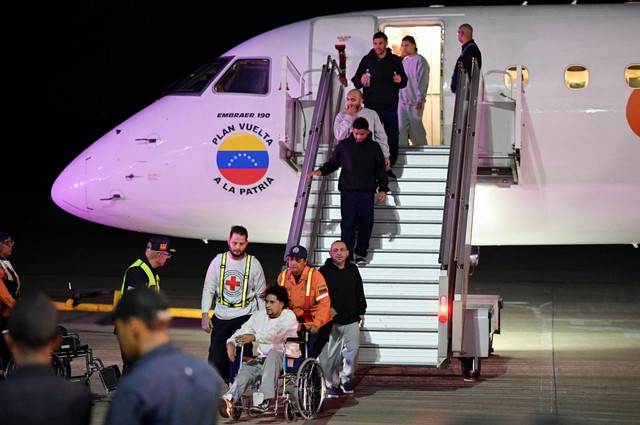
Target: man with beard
[
  {"x": 269, "y": 328},
  {"x": 380, "y": 86},
  {"x": 233, "y": 286}
]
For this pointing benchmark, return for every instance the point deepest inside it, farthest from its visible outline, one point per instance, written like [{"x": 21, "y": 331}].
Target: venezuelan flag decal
[{"x": 243, "y": 159}]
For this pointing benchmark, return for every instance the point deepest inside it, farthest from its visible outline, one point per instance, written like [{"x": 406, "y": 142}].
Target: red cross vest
[{"x": 245, "y": 284}]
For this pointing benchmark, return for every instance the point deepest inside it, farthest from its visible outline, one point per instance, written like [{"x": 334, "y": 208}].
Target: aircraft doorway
[{"x": 429, "y": 42}]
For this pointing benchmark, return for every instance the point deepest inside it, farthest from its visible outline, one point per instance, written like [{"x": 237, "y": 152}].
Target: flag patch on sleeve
[{"x": 322, "y": 288}]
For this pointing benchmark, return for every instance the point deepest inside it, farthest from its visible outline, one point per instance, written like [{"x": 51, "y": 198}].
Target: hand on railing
[{"x": 316, "y": 173}]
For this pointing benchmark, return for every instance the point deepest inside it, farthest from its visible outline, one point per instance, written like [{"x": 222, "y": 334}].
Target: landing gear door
[{"x": 354, "y": 32}]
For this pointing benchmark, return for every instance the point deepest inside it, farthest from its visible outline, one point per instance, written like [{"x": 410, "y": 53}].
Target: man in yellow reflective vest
[
  {"x": 234, "y": 286},
  {"x": 309, "y": 298},
  {"x": 142, "y": 273}
]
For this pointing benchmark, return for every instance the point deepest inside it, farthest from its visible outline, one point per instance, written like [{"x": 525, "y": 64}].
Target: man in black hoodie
[
  {"x": 380, "y": 88},
  {"x": 348, "y": 306},
  {"x": 363, "y": 173}
]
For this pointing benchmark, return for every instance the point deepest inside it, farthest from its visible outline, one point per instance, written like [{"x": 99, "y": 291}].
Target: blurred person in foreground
[
  {"x": 164, "y": 385},
  {"x": 32, "y": 393}
]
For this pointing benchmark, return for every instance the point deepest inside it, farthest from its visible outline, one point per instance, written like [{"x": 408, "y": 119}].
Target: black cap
[{"x": 160, "y": 243}]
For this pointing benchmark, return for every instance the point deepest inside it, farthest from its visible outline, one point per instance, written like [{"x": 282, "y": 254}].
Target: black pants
[
  {"x": 222, "y": 331},
  {"x": 356, "y": 223}
]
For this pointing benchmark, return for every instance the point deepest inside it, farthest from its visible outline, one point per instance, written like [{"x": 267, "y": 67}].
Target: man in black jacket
[
  {"x": 363, "y": 173},
  {"x": 380, "y": 90},
  {"x": 348, "y": 306},
  {"x": 469, "y": 52}
]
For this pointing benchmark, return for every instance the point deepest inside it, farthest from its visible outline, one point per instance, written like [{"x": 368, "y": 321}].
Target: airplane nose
[{"x": 69, "y": 189}]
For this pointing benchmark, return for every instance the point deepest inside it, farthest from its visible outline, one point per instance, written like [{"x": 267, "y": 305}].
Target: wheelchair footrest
[{"x": 110, "y": 376}]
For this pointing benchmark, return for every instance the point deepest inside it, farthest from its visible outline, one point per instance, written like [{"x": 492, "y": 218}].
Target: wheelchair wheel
[
  {"x": 236, "y": 412},
  {"x": 289, "y": 413},
  {"x": 56, "y": 365},
  {"x": 310, "y": 388}
]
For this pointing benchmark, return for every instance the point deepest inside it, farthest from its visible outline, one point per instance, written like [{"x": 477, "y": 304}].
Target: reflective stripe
[
  {"x": 154, "y": 280},
  {"x": 245, "y": 283},
  {"x": 307, "y": 299}
]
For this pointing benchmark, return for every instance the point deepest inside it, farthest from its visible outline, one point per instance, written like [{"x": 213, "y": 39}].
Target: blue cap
[{"x": 297, "y": 251}]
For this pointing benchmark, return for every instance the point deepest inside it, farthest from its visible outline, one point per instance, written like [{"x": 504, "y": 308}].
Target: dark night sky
[{"x": 77, "y": 69}]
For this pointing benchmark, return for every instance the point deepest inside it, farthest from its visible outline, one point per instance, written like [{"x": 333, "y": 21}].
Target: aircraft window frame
[
  {"x": 633, "y": 82},
  {"x": 195, "y": 83},
  {"x": 512, "y": 71},
  {"x": 574, "y": 81},
  {"x": 247, "y": 75}
]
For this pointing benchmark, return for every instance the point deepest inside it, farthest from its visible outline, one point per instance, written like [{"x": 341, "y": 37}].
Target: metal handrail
[{"x": 304, "y": 185}]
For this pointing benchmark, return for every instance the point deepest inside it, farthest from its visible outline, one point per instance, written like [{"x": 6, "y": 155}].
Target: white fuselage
[{"x": 160, "y": 171}]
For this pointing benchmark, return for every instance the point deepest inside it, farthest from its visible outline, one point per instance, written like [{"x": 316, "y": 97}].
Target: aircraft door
[
  {"x": 429, "y": 38},
  {"x": 354, "y": 32}
]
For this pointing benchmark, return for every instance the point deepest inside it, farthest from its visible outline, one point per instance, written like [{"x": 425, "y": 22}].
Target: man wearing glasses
[{"x": 142, "y": 273}]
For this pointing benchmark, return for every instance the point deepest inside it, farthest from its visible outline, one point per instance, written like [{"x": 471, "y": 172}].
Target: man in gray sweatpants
[{"x": 348, "y": 306}]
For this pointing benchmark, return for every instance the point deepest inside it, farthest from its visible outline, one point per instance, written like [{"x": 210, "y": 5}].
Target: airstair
[{"x": 418, "y": 261}]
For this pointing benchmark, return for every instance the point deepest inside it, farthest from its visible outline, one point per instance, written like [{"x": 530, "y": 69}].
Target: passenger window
[
  {"x": 576, "y": 77},
  {"x": 512, "y": 70},
  {"x": 632, "y": 76},
  {"x": 245, "y": 76}
]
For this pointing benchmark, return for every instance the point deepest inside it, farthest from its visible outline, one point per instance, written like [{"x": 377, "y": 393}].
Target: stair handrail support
[{"x": 304, "y": 184}]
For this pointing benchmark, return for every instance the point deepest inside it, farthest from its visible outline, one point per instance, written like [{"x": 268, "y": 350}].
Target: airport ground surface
[{"x": 568, "y": 353}]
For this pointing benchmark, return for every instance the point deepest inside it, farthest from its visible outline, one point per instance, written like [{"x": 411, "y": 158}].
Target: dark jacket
[
  {"x": 470, "y": 50},
  {"x": 346, "y": 291},
  {"x": 362, "y": 164},
  {"x": 382, "y": 92}
]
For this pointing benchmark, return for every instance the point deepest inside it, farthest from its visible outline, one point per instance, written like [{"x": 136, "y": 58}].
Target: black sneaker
[
  {"x": 334, "y": 392},
  {"x": 391, "y": 174},
  {"x": 346, "y": 388},
  {"x": 361, "y": 261}
]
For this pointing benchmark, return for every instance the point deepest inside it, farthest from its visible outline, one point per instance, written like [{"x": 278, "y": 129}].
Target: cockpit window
[
  {"x": 195, "y": 82},
  {"x": 245, "y": 76}
]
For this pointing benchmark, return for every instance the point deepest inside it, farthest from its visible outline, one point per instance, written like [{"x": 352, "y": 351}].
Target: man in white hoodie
[
  {"x": 343, "y": 124},
  {"x": 412, "y": 98},
  {"x": 269, "y": 328}
]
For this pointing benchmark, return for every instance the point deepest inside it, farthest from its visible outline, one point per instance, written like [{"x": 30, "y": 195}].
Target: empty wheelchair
[
  {"x": 70, "y": 349},
  {"x": 301, "y": 388}
]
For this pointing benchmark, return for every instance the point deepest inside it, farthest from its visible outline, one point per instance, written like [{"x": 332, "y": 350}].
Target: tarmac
[{"x": 568, "y": 351}]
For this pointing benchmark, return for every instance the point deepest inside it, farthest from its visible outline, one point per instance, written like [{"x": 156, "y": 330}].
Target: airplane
[{"x": 216, "y": 149}]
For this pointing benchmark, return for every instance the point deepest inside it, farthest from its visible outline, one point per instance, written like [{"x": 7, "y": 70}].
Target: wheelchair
[
  {"x": 301, "y": 387},
  {"x": 70, "y": 349}
]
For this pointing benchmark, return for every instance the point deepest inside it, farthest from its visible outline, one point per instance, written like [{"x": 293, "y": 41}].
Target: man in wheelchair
[{"x": 269, "y": 328}]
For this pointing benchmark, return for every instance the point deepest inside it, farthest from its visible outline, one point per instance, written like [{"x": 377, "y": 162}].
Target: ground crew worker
[
  {"x": 142, "y": 273},
  {"x": 309, "y": 298},
  {"x": 234, "y": 286}
]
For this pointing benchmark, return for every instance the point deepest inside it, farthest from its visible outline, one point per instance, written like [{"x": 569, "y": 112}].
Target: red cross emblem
[{"x": 233, "y": 283}]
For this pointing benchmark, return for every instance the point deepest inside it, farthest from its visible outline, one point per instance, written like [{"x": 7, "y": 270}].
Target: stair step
[
  {"x": 394, "y": 199},
  {"x": 323, "y": 243},
  {"x": 385, "y": 289},
  {"x": 386, "y": 213},
  {"x": 400, "y": 323},
  {"x": 391, "y": 258},
  {"x": 372, "y": 354},
  {"x": 398, "y": 339}
]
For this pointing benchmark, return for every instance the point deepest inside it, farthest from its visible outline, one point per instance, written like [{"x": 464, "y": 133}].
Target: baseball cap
[
  {"x": 161, "y": 243},
  {"x": 297, "y": 251}
]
